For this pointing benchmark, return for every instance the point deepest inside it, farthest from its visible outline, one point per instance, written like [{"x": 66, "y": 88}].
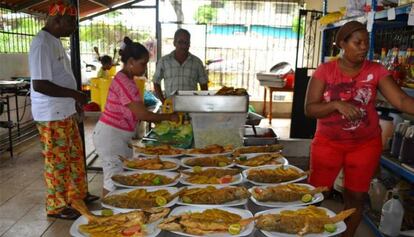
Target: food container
[
  {"x": 262, "y": 136},
  {"x": 218, "y": 128},
  {"x": 206, "y": 101},
  {"x": 216, "y": 119}
]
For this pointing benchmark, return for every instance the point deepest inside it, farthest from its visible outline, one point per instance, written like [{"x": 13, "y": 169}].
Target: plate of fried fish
[
  {"x": 247, "y": 161},
  {"x": 150, "y": 163},
  {"x": 163, "y": 151},
  {"x": 274, "y": 174},
  {"x": 211, "y": 176},
  {"x": 125, "y": 200},
  {"x": 134, "y": 223},
  {"x": 282, "y": 195},
  {"x": 211, "y": 222},
  {"x": 257, "y": 149},
  {"x": 146, "y": 178},
  {"x": 207, "y": 161},
  {"x": 307, "y": 221},
  {"x": 214, "y": 196},
  {"x": 209, "y": 150}
]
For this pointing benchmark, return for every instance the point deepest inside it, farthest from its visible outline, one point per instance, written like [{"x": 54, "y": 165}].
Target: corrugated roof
[{"x": 87, "y": 7}]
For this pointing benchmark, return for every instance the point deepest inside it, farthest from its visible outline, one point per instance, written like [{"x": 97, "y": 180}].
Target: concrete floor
[{"x": 22, "y": 191}]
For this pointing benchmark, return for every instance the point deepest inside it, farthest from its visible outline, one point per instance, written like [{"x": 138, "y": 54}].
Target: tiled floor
[{"x": 22, "y": 212}]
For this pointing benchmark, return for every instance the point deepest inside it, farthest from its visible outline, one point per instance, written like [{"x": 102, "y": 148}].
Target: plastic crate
[{"x": 218, "y": 128}]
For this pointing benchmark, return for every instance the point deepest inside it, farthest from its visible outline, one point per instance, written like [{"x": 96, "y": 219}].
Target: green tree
[
  {"x": 295, "y": 26},
  {"x": 205, "y": 14}
]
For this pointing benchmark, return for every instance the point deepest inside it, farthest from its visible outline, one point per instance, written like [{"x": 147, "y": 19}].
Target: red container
[{"x": 290, "y": 80}]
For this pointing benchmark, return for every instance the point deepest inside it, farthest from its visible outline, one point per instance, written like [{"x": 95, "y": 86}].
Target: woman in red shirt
[{"x": 341, "y": 95}]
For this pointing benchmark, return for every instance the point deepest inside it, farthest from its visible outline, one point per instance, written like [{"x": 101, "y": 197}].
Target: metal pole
[
  {"x": 76, "y": 68},
  {"x": 158, "y": 29}
]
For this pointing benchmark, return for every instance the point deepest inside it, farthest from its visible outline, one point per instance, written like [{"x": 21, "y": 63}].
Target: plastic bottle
[
  {"x": 392, "y": 216},
  {"x": 377, "y": 193}
]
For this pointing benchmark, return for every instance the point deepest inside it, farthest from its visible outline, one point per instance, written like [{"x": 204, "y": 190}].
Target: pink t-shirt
[
  {"x": 121, "y": 92},
  {"x": 361, "y": 91}
]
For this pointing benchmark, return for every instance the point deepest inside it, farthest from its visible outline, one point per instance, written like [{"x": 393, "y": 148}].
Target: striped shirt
[
  {"x": 180, "y": 76},
  {"x": 121, "y": 92}
]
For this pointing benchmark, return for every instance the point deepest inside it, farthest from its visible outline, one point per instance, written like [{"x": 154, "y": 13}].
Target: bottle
[
  {"x": 383, "y": 57},
  {"x": 376, "y": 194},
  {"x": 392, "y": 216}
]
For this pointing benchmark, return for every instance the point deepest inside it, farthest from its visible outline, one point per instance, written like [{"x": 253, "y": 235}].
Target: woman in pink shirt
[
  {"x": 341, "y": 95},
  {"x": 123, "y": 110}
]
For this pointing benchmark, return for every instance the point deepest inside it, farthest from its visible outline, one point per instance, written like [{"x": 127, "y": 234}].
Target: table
[{"x": 271, "y": 90}]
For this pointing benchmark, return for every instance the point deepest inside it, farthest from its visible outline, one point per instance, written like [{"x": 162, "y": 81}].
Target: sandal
[{"x": 66, "y": 214}]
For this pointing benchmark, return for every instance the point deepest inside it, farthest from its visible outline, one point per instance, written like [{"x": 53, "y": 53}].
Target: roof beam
[
  {"x": 102, "y": 3},
  {"x": 28, "y": 4},
  {"x": 110, "y": 9}
]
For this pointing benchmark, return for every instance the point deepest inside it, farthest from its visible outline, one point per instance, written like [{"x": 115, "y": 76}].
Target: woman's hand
[
  {"x": 175, "y": 117},
  {"x": 349, "y": 111}
]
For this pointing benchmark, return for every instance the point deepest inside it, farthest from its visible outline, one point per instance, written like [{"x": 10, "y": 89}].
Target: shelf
[
  {"x": 372, "y": 225},
  {"x": 362, "y": 19},
  {"x": 392, "y": 164},
  {"x": 401, "y": 10}
]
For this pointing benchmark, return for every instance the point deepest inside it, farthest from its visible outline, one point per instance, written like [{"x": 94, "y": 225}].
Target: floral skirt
[{"x": 64, "y": 169}]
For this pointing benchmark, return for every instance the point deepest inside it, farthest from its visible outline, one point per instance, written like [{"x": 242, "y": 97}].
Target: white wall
[
  {"x": 13, "y": 65},
  {"x": 333, "y": 5}
]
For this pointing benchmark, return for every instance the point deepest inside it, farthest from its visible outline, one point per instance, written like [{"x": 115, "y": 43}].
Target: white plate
[
  {"x": 237, "y": 179},
  {"x": 227, "y": 204},
  {"x": 165, "y": 173},
  {"x": 341, "y": 227},
  {"x": 243, "y": 213},
  {"x": 177, "y": 162},
  {"x": 183, "y": 160},
  {"x": 264, "y": 167},
  {"x": 281, "y": 160},
  {"x": 152, "y": 229},
  {"x": 214, "y": 154},
  {"x": 152, "y": 155},
  {"x": 171, "y": 190},
  {"x": 316, "y": 198}
]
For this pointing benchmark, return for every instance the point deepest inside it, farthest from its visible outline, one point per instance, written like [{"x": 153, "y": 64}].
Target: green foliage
[
  {"x": 205, "y": 14},
  {"x": 295, "y": 26},
  {"x": 16, "y": 37}
]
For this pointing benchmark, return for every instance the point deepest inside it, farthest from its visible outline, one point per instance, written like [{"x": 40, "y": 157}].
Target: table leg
[
  {"x": 270, "y": 105},
  {"x": 264, "y": 103}
]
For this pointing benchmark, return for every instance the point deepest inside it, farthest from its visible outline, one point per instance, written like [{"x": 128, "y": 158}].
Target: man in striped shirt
[{"x": 180, "y": 69}]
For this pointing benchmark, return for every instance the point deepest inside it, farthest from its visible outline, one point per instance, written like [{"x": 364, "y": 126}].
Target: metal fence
[
  {"x": 17, "y": 31},
  {"x": 235, "y": 38}
]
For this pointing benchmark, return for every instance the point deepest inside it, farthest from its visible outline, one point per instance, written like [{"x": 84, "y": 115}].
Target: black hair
[
  {"x": 106, "y": 59},
  {"x": 133, "y": 50},
  {"x": 181, "y": 31}
]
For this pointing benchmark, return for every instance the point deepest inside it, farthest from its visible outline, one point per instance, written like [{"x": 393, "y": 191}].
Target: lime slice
[
  {"x": 107, "y": 212},
  {"x": 331, "y": 228},
  {"x": 306, "y": 198},
  {"x": 197, "y": 169},
  {"x": 234, "y": 229},
  {"x": 186, "y": 199},
  {"x": 156, "y": 181},
  {"x": 222, "y": 164},
  {"x": 161, "y": 201}
]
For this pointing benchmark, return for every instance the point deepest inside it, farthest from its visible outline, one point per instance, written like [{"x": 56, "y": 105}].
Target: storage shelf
[
  {"x": 372, "y": 225},
  {"x": 392, "y": 164},
  {"x": 401, "y": 10}
]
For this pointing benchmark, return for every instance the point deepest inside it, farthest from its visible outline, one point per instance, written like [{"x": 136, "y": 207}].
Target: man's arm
[
  {"x": 158, "y": 92},
  {"x": 50, "y": 89}
]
